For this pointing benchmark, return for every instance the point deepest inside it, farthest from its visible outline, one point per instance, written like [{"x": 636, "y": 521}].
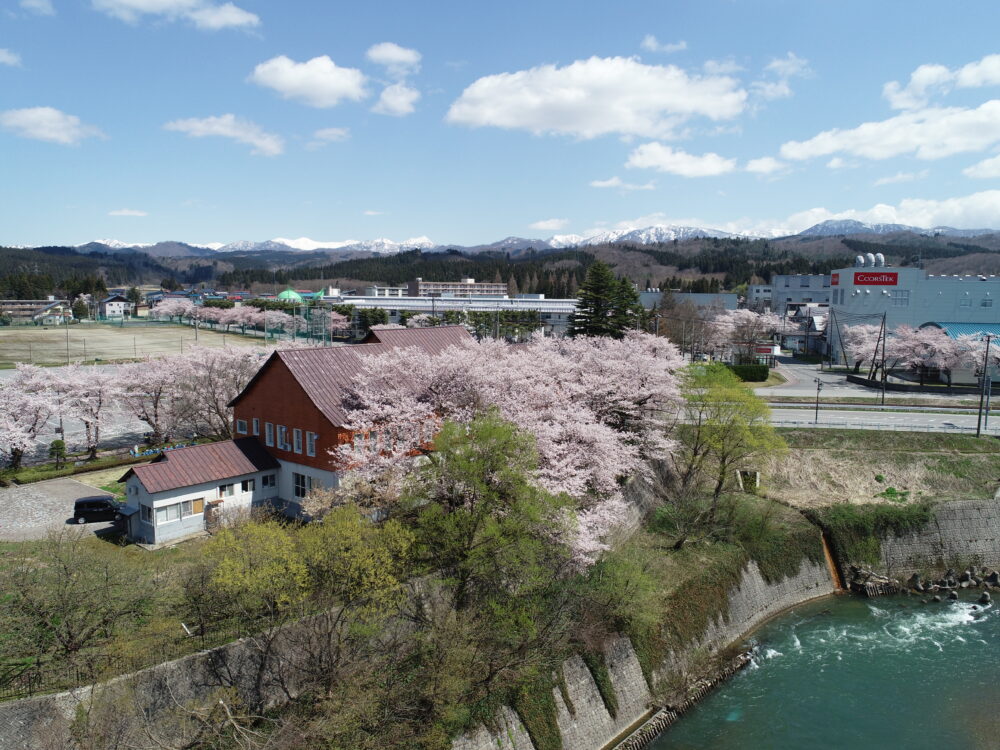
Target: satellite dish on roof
[
  {"x": 870, "y": 260},
  {"x": 879, "y": 260},
  {"x": 859, "y": 261}
]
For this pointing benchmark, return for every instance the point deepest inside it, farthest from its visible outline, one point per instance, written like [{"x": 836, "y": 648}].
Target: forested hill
[
  {"x": 558, "y": 273},
  {"x": 34, "y": 273},
  {"x": 555, "y": 274}
]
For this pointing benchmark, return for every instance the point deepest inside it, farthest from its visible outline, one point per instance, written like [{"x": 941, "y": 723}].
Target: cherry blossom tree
[
  {"x": 422, "y": 320},
  {"x": 595, "y": 406},
  {"x": 151, "y": 392},
  {"x": 92, "y": 394},
  {"x": 208, "y": 379},
  {"x": 738, "y": 331},
  {"x": 861, "y": 344},
  {"x": 26, "y": 402},
  {"x": 173, "y": 308}
]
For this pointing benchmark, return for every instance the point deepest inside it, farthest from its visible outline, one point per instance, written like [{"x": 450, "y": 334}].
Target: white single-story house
[{"x": 184, "y": 490}]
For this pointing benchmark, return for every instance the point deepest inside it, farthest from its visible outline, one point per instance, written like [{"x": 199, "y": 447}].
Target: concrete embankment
[{"x": 589, "y": 726}]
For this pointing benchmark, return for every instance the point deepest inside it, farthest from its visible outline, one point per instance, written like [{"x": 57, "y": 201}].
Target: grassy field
[
  {"x": 829, "y": 466},
  {"x": 53, "y": 345}
]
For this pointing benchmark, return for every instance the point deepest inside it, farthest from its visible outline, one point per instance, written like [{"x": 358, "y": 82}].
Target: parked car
[{"x": 89, "y": 509}]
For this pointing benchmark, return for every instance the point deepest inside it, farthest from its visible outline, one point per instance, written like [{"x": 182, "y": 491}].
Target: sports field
[{"x": 90, "y": 342}]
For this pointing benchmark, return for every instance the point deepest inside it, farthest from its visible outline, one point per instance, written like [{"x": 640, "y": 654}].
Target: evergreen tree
[{"x": 597, "y": 303}]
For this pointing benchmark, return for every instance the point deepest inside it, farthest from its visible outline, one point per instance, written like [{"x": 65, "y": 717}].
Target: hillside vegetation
[{"x": 824, "y": 467}]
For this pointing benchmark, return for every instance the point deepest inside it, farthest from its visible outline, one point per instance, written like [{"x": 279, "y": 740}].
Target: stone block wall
[
  {"x": 591, "y": 727},
  {"x": 962, "y": 532}
]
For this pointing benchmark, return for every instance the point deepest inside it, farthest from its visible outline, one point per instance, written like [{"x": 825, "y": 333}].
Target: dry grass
[
  {"x": 103, "y": 477},
  {"x": 862, "y": 469},
  {"x": 90, "y": 342}
]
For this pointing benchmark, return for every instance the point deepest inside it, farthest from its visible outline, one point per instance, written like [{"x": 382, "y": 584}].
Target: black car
[{"x": 88, "y": 509}]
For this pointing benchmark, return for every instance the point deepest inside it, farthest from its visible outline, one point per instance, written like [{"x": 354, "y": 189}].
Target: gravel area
[{"x": 31, "y": 510}]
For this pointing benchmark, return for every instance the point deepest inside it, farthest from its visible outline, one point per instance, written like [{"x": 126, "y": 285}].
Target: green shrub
[
  {"x": 536, "y": 708},
  {"x": 602, "y": 678},
  {"x": 751, "y": 373}
]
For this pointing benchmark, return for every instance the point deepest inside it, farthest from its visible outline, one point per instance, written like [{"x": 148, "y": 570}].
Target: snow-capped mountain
[
  {"x": 118, "y": 244},
  {"x": 646, "y": 236},
  {"x": 833, "y": 228}
]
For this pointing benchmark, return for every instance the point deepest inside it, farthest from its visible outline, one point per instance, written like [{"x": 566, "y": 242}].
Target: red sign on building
[
  {"x": 834, "y": 279},
  {"x": 876, "y": 278}
]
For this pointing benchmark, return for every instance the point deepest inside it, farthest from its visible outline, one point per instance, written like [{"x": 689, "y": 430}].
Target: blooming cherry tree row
[{"x": 597, "y": 408}]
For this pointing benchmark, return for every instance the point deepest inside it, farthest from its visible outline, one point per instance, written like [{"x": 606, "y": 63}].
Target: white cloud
[
  {"x": 397, "y": 100},
  {"x": 984, "y": 169},
  {"x": 230, "y": 126},
  {"x": 838, "y": 163},
  {"x": 675, "y": 161},
  {"x": 965, "y": 212},
  {"x": 215, "y": 17},
  {"x": 9, "y": 58},
  {"x": 47, "y": 124},
  {"x": 127, "y": 212},
  {"x": 926, "y": 80},
  {"x": 318, "y": 82},
  {"x": 725, "y": 67},
  {"x": 398, "y": 61},
  {"x": 789, "y": 66},
  {"x": 204, "y": 15},
  {"x": 651, "y": 44},
  {"x": 782, "y": 69},
  {"x": 618, "y": 184},
  {"x": 927, "y": 134},
  {"x": 370, "y": 212},
  {"x": 549, "y": 225},
  {"x": 41, "y": 7},
  {"x": 901, "y": 177},
  {"x": 765, "y": 165},
  {"x": 325, "y": 136},
  {"x": 598, "y": 96}
]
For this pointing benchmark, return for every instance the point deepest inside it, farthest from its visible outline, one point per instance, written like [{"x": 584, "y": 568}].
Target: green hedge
[{"x": 751, "y": 373}]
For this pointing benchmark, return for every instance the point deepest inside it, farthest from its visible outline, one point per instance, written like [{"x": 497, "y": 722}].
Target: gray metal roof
[
  {"x": 966, "y": 329},
  {"x": 200, "y": 464}
]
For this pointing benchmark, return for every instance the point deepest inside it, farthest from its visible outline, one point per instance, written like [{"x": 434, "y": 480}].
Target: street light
[
  {"x": 985, "y": 384},
  {"x": 819, "y": 387}
]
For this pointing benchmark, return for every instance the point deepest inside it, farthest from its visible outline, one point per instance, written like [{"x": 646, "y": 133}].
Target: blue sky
[{"x": 208, "y": 121}]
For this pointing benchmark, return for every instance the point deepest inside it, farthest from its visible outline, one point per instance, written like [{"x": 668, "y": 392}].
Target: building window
[
  {"x": 965, "y": 302},
  {"x": 268, "y": 480},
  {"x": 283, "y": 437},
  {"x": 256, "y": 426},
  {"x": 248, "y": 485},
  {"x": 168, "y": 514},
  {"x": 226, "y": 490},
  {"x": 268, "y": 434},
  {"x": 302, "y": 484},
  {"x": 804, "y": 282},
  {"x": 900, "y": 297},
  {"x": 177, "y": 511},
  {"x": 297, "y": 437},
  {"x": 241, "y": 426},
  {"x": 146, "y": 513},
  {"x": 311, "y": 443},
  {"x": 986, "y": 303}
]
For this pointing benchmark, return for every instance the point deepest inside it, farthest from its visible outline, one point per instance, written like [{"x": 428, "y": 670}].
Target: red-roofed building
[{"x": 286, "y": 421}]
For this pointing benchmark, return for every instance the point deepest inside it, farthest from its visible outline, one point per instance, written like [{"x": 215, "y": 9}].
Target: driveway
[
  {"x": 801, "y": 377},
  {"x": 31, "y": 510}
]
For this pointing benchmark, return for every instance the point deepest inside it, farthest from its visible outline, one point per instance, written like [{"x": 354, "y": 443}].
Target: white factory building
[
  {"x": 908, "y": 296},
  {"x": 789, "y": 290}
]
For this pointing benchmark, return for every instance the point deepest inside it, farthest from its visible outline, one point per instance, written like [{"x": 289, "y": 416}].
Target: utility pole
[
  {"x": 885, "y": 335},
  {"x": 819, "y": 387},
  {"x": 982, "y": 392}
]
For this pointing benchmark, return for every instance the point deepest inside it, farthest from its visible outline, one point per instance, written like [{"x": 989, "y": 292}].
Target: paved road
[
  {"x": 801, "y": 382},
  {"x": 30, "y": 511},
  {"x": 869, "y": 420}
]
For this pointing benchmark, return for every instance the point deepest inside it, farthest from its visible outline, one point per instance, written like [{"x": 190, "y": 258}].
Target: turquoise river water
[{"x": 846, "y": 672}]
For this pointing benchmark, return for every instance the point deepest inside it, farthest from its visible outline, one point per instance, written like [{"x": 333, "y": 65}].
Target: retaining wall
[
  {"x": 961, "y": 532},
  {"x": 591, "y": 727}
]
